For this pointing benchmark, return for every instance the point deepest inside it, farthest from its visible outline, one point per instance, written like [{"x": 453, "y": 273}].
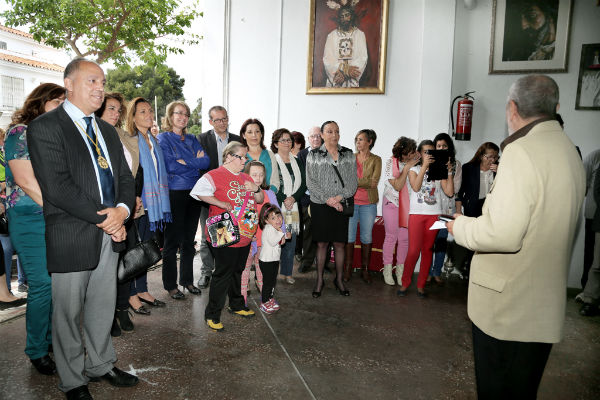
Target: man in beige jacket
[{"x": 523, "y": 243}]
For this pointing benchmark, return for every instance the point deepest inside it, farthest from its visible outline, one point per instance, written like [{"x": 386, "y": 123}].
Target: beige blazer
[{"x": 524, "y": 239}]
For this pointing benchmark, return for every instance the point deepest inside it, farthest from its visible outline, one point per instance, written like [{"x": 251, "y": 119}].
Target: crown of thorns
[{"x": 336, "y": 5}]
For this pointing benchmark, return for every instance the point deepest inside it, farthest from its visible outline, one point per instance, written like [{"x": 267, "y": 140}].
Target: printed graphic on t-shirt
[
  {"x": 427, "y": 193},
  {"x": 248, "y": 221}
]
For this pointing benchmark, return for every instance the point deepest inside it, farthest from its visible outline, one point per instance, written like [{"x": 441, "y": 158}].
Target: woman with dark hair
[
  {"x": 112, "y": 111},
  {"x": 184, "y": 159},
  {"x": 227, "y": 188},
  {"x": 425, "y": 208},
  {"x": 396, "y": 206},
  {"x": 443, "y": 141},
  {"x": 299, "y": 143},
  {"x": 478, "y": 176},
  {"x": 155, "y": 194},
  {"x": 331, "y": 179},
  {"x": 252, "y": 133},
  {"x": 26, "y": 222},
  {"x": 368, "y": 167},
  {"x": 290, "y": 191}
]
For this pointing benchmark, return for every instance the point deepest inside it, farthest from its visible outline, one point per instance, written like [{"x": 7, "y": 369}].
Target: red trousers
[{"x": 420, "y": 241}]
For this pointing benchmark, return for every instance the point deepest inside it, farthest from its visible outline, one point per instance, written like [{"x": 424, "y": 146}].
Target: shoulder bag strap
[{"x": 338, "y": 174}]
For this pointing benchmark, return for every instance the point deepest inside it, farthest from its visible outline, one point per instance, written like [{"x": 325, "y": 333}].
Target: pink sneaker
[
  {"x": 274, "y": 305},
  {"x": 267, "y": 308}
]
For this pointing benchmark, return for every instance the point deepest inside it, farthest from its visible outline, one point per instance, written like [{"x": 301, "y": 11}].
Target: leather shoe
[
  {"x": 203, "y": 281},
  {"x": 44, "y": 365},
  {"x": 193, "y": 289},
  {"x": 177, "y": 295},
  {"x": 141, "y": 310},
  {"x": 155, "y": 303},
  {"x": 79, "y": 393},
  {"x": 118, "y": 378},
  {"x": 589, "y": 310}
]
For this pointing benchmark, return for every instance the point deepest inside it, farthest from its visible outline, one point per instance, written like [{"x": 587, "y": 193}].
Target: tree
[
  {"x": 195, "y": 124},
  {"x": 147, "y": 81},
  {"x": 107, "y": 30}
]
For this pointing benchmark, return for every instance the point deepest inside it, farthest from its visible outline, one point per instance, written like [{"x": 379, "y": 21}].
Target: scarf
[
  {"x": 291, "y": 217},
  {"x": 403, "y": 197},
  {"x": 155, "y": 193}
]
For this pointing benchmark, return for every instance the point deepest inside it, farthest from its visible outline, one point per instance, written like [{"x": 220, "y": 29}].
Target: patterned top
[
  {"x": 15, "y": 148},
  {"x": 321, "y": 179}
]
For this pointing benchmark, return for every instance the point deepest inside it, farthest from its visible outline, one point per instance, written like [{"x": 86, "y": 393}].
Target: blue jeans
[
  {"x": 439, "y": 253},
  {"x": 287, "y": 256},
  {"x": 365, "y": 214},
  {"x": 9, "y": 250}
]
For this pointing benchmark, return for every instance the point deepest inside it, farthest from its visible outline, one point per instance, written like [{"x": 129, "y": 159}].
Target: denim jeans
[
  {"x": 365, "y": 214},
  {"x": 287, "y": 256},
  {"x": 9, "y": 250},
  {"x": 439, "y": 248}
]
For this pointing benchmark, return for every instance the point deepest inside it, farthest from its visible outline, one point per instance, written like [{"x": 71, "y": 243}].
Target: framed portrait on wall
[
  {"x": 530, "y": 36},
  {"x": 347, "y": 46},
  {"x": 588, "y": 84}
]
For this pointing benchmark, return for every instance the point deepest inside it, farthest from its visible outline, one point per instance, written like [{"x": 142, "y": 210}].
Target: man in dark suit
[
  {"x": 213, "y": 142},
  {"x": 309, "y": 248},
  {"x": 88, "y": 193}
]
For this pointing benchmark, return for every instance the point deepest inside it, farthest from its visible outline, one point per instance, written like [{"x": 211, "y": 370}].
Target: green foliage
[
  {"x": 195, "y": 124},
  {"x": 107, "y": 30},
  {"x": 147, "y": 81}
]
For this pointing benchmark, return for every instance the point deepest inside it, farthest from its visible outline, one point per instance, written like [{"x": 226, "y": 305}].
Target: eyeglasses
[
  {"x": 486, "y": 156},
  {"x": 220, "y": 120},
  {"x": 285, "y": 141},
  {"x": 239, "y": 157},
  {"x": 182, "y": 113}
]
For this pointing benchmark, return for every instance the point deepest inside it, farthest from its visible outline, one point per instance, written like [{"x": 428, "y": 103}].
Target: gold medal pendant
[{"x": 102, "y": 162}]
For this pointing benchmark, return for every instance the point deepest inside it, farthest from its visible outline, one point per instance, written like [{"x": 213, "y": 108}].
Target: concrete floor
[{"x": 371, "y": 345}]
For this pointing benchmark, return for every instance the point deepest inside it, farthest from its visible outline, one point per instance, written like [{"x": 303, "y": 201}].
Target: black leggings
[{"x": 269, "y": 270}]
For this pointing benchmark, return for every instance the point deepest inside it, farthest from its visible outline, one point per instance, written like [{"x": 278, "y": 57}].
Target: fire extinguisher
[{"x": 464, "y": 116}]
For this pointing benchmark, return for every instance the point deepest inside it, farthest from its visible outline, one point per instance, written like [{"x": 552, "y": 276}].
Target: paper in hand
[{"x": 437, "y": 225}]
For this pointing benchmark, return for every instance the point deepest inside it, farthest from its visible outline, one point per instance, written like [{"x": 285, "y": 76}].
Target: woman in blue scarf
[{"x": 155, "y": 193}]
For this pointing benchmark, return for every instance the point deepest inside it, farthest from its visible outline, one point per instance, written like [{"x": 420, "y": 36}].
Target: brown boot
[
  {"x": 349, "y": 261},
  {"x": 365, "y": 251}
]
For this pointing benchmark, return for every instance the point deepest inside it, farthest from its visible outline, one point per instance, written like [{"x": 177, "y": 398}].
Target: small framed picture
[
  {"x": 530, "y": 36},
  {"x": 588, "y": 84}
]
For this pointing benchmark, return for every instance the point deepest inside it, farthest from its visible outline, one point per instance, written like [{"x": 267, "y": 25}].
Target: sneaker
[
  {"x": 579, "y": 298},
  {"x": 267, "y": 307},
  {"x": 23, "y": 288},
  {"x": 290, "y": 280},
  {"x": 215, "y": 325},
  {"x": 274, "y": 304},
  {"x": 244, "y": 312}
]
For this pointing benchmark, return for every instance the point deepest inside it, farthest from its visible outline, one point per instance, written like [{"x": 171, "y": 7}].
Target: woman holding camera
[{"x": 425, "y": 208}]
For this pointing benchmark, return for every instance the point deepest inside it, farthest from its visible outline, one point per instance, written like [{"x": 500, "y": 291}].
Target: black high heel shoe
[
  {"x": 317, "y": 294},
  {"x": 342, "y": 292}
]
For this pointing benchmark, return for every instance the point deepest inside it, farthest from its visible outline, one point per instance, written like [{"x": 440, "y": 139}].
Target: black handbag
[
  {"x": 136, "y": 260},
  {"x": 347, "y": 204}
]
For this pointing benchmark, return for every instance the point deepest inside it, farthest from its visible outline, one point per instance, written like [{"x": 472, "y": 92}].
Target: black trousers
[
  {"x": 506, "y": 369},
  {"x": 269, "y": 270},
  {"x": 226, "y": 281},
  {"x": 588, "y": 250},
  {"x": 309, "y": 248},
  {"x": 179, "y": 235}
]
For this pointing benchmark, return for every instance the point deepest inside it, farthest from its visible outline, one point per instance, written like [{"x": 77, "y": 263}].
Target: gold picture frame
[{"x": 337, "y": 49}]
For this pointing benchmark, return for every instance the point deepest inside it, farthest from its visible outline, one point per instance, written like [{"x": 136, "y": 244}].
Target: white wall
[
  {"x": 268, "y": 63},
  {"x": 436, "y": 49},
  {"x": 471, "y": 52}
]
